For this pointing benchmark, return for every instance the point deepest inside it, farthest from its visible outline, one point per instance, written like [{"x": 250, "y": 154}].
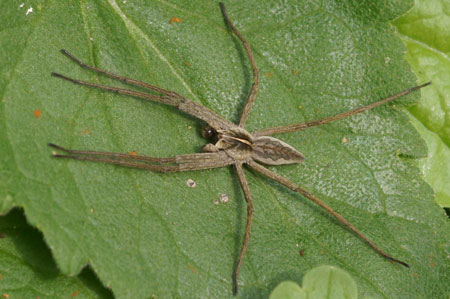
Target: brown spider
[{"x": 235, "y": 146}]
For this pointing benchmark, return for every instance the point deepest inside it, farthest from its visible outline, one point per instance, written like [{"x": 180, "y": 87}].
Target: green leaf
[
  {"x": 145, "y": 233},
  {"x": 428, "y": 55},
  {"x": 288, "y": 290},
  {"x": 319, "y": 283},
  {"x": 330, "y": 282},
  {"x": 28, "y": 270}
]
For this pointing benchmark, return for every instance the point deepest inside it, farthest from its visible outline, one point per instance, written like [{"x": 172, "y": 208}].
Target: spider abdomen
[{"x": 272, "y": 151}]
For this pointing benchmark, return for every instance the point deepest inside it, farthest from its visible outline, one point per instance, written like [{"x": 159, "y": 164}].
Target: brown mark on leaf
[
  {"x": 76, "y": 293},
  {"x": 432, "y": 264},
  {"x": 175, "y": 20},
  {"x": 86, "y": 132},
  {"x": 268, "y": 75},
  {"x": 37, "y": 113},
  {"x": 195, "y": 271}
]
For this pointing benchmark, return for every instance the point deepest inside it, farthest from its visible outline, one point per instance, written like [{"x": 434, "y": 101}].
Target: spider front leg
[
  {"x": 127, "y": 80},
  {"x": 254, "y": 89},
  {"x": 168, "y": 97},
  {"x": 178, "y": 163}
]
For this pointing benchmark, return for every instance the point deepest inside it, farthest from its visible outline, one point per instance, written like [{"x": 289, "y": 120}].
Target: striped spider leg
[{"x": 235, "y": 146}]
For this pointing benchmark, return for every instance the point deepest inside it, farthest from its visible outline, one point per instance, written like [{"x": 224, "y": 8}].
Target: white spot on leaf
[
  {"x": 191, "y": 183},
  {"x": 224, "y": 198}
]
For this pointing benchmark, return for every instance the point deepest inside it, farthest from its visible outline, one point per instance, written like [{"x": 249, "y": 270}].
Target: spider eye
[{"x": 208, "y": 132}]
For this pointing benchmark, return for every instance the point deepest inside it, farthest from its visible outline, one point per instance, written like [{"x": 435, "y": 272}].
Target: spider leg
[
  {"x": 318, "y": 122},
  {"x": 254, "y": 89},
  {"x": 127, "y": 80},
  {"x": 123, "y": 91},
  {"x": 169, "y": 97},
  {"x": 276, "y": 177},
  {"x": 171, "y": 164},
  {"x": 248, "y": 226}
]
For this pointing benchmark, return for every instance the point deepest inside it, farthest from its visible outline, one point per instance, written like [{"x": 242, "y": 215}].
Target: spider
[{"x": 235, "y": 146}]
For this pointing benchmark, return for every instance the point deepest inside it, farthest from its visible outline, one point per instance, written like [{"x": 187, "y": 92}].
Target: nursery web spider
[{"x": 235, "y": 146}]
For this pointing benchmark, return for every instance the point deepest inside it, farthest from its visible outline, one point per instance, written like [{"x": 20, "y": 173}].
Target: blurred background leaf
[
  {"x": 319, "y": 283},
  {"x": 425, "y": 30},
  {"x": 27, "y": 269}
]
